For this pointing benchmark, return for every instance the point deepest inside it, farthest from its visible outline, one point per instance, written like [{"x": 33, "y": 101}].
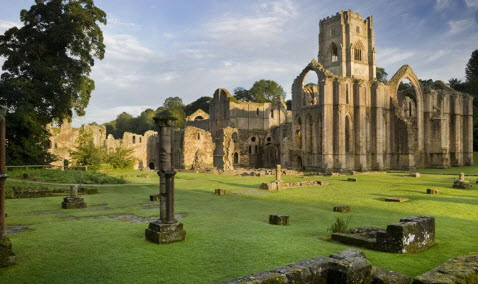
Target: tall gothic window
[
  {"x": 358, "y": 49},
  {"x": 334, "y": 52}
]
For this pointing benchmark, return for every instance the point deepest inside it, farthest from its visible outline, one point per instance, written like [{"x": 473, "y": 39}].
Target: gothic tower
[{"x": 347, "y": 45}]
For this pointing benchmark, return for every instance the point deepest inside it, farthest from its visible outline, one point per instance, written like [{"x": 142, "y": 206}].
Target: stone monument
[
  {"x": 7, "y": 256},
  {"x": 74, "y": 201},
  {"x": 461, "y": 183},
  {"x": 167, "y": 229}
]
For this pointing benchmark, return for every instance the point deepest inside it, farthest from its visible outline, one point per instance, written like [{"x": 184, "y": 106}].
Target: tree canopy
[
  {"x": 46, "y": 72},
  {"x": 262, "y": 91},
  {"x": 381, "y": 75}
]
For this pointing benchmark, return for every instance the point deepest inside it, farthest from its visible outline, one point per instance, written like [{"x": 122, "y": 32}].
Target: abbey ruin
[{"x": 348, "y": 120}]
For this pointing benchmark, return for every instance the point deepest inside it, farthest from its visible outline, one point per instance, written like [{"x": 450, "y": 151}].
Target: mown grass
[
  {"x": 67, "y": 176},
  {"x": 227, "y": 236}
]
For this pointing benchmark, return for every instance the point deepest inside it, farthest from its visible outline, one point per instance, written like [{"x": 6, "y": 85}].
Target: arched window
[
  {"x": 236, "y": 158},
  {"x": 255, "y": 149},
  {"x": 272, "y": 113},
  {"x": 358, "y": 49},
  {"x": 134, "y": 139},
  {"x": 250, "y": 149},
  {"x": 347, "y": 98},
  {"x": 253, "y": 139},
  {"x": 334, "y": 52},
  {"x": 357, "y": 29},
  {"x": 257, "y": 112},
  {"x": 410, "y": 109},
  {"x": 234, "y": 137},
  {"x": 140, "y": 140},
  {"x": 198, "y": 118},
  {"x": 298, "y": 134},
  {"x": 199, "y": 136},
  {"x": 348, "y": 136}
]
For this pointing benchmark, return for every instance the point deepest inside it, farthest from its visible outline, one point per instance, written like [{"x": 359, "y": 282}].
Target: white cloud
[
  {"x": 390, "y": 56},
  {"x": 471, "y": 3},
  {"x": 125, "y": 47},
  {"x": 5, "y": 25},
  {"x": 456, "y": 27},
  {"x": 442, "y": 4},
  {"x": 114, "y": 22}
]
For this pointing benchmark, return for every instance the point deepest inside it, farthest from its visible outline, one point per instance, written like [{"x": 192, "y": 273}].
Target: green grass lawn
[{"x": 227, "y": 236}]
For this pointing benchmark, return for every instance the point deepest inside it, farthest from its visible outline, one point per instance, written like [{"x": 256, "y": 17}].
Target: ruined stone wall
[
  {"x": 63, "y": 139},
  {"x": 197, "y": 149}
]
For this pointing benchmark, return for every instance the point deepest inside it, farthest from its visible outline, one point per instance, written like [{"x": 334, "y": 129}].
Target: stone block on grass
[
  {"x": 342, "y": 208},
  {"x": 396, "y": 199},
  {"x": 277, "y": 219},
  {"x": 432, "y": 191},
  {"x": 154, "y": 197},
  {"x": 220, "y": 191}
]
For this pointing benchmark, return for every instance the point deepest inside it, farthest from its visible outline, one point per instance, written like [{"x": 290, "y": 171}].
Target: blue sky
[{"x": 158, "y": 49}]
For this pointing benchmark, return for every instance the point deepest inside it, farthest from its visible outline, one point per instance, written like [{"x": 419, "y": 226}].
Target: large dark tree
[
  {"x": 243, "y": 94},
  {"x": 472, "y": 67},
  {"x": 201, "y": 103},
  {"x": 267, "y": 91},
  {"x": 46, "y": 73}
]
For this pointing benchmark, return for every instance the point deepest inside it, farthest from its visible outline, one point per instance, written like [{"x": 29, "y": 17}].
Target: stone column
[
  {"x": 278, "y": 173},
  {"x": 7, "y": 256},
  {"x": 167, "y": 229}
]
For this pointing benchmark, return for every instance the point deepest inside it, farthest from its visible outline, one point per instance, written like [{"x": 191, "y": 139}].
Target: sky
[{"x": 157, "y": 49}]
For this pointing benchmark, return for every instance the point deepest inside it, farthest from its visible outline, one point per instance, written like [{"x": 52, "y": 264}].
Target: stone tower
[{"x": 347, "y": 45}]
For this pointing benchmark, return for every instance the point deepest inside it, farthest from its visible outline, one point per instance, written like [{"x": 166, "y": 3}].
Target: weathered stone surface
[
  {"x": 349, "y": 267},
  {"x": 220, "y": 191},
  {"x": 163, "y": 233},
  {"x": 352, "y": 179},
  {"x": 342, "y": 208},
  {"x": 461, "y": 184},
  {"x": 462, "y": 269},
  {"x": 275, "y": 185},
  {"x": 277, "y": 219},
  {"x": 154, "y": 197},
  {"x": 7, "y": 256},
  {"x": 382, "y": 276},
  {"x": 412, "y": 234},
  {"x": 73, "y": 202},
  {"x": 432, "y": 191},
  {"x": 396, "y": 199}
]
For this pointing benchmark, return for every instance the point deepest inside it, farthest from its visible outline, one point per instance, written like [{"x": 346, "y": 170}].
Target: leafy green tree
[
  {"x": 85, "y": 152},
  {"x": 124, "y": 123},
  {"x": 120, "y": 158},
  {"x": 201, "y": 103},
  {"x": 243, "y": 95},
  {"x": 381, "y": 75},
  {"x": 267, "y": 91},
  {"x": 173, "y": 102},
  {"x": 46, "y": 71},
  {"x": 176, "y": 106}
]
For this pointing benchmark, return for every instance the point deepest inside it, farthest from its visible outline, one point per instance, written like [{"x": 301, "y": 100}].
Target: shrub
[{"x": 341, "y": 224}]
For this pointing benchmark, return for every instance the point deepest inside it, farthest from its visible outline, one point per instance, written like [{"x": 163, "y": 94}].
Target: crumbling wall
[
  {"x": 411, "y": 234},
  {"x": 198, "y": 148}
]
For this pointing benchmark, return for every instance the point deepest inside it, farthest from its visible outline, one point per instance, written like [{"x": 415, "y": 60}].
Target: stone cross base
[
  {"x": 73, "y": 202},
  {"x": 164, "y": 233},
  {"x": 7, "y": 256},
  {"x": 277, "y": 219}
]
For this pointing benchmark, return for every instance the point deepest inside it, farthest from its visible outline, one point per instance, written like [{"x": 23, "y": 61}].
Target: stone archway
[{"x": 406, "y": 72}]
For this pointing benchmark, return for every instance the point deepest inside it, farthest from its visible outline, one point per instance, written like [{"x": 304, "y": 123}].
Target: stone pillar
[
  {"x": 278, "y": 173},
  {"x": 7, "y": 256},
  {"x": 326, "y": 97},
  {"x": 167, "y": 229},
  {"x": 468, "y": 131}
]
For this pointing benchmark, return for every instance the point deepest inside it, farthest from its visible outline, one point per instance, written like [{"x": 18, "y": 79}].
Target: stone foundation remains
[
  {"x": 277, "y": 219},
  {"x": 74, "y": 201},
  {"x": 412, "y": 234},
  {"x": 275, "y": 185},
  {"x": 462, "y": 269}
]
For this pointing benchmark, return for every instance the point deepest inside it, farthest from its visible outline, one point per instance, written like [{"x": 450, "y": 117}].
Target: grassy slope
[{"x": 228, "y": 236}]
